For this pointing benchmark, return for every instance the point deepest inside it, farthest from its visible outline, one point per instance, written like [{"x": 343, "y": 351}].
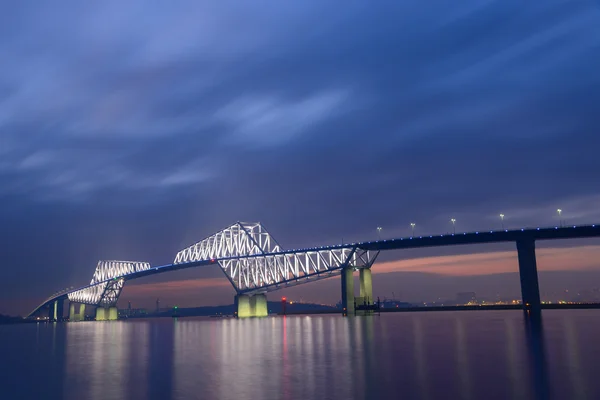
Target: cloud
[
  {"x": 185, "y": 118},
  {"x": 273, "y": 121}
]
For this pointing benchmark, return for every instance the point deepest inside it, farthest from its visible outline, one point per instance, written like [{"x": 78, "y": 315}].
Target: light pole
[
  {"x": 559, "y": 211},
  {"x": 453, "y": 225},
  {"x": 379, "y": 231},
  {"x": 502, "y": 219},
  {"x": 412, "y": 227}
]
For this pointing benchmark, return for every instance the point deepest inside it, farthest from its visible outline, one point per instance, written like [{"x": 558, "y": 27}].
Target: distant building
[
  {"x": 386, "y": 303},
  {"x": 133, "y": 313},
  {"x": 466, "y": 298}
]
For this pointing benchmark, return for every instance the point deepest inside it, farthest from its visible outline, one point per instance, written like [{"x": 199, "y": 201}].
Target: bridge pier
[
  {"x": 107, "y": 314},
  {"x": 101, "y": 314},
  {"x": 530, "y": 289},
  {"x": 258, "y": 304},
  {"x": 347, "y": 290},
  {"x": 72, "y": 316},
  {"x": 58, "y": 310},
  {"x": 113, "y": 314},
  {"x": 251, "y": 306},
  {"x": 366, "y": 292},
  {"x": 366, "y": 285}
]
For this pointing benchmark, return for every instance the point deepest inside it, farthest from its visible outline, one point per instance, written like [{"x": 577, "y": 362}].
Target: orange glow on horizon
[
  {"x": 548, "y": 259},
  {"x": 178, "y": 286}
]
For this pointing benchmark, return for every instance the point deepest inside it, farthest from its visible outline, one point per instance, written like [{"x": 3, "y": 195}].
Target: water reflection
[
  {"x": 460, "y": 355},
  {"x": 462, "y": 359},
  {"x": 513, "y": 358},
  {"x": 420, "y": 359},
  {"x": 574, "y": 359},
  {"x": 534, "y": 334}
]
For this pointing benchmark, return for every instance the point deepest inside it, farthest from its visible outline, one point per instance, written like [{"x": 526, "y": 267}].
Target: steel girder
[
  {"x": 240, "y": 239},
  {"x": 107, "y": 283},
  {"x": 254, "y": 262}
]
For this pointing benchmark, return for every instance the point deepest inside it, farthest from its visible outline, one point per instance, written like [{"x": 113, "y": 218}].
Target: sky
[{"x": 132, "y": 130}]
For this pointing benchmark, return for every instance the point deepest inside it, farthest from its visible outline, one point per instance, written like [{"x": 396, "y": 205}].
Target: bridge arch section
[
  {"x": 255, "y": 263},
  {"x": 107, "y": 283}
]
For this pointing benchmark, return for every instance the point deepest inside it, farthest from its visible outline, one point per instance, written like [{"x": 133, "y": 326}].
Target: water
[{"x": 431, "y": 355}]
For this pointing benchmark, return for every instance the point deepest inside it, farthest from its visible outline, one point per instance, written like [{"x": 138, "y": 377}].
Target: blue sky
[{"x": 130, "y": 130}]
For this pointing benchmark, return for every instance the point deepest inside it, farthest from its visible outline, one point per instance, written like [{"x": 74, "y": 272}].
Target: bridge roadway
[{"x": 525, "y": 239}]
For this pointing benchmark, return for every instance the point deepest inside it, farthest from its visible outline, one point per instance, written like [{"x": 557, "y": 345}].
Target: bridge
[{"x": 255, "y": 264}]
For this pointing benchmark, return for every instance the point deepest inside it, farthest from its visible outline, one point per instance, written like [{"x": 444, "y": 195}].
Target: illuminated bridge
[{"x": 255, "y": 264}]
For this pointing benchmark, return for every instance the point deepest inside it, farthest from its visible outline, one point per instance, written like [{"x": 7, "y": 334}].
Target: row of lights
[
  {"x": 453, "y": 221},
  {"x": 412, "y": 225},
  {"x": 477, "y": 233}
]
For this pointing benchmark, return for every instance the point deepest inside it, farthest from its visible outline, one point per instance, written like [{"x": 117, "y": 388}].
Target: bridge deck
[{"x": 479, "y": 237}]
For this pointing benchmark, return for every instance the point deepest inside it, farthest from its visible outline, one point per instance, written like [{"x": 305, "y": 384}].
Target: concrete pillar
[
  {"x": 366, "y": 285},
  {"x": 258, "y": 303},
  {"x": 55, "y": 311},
  {"x": 530, "y": 289},
  {"x": 101, "y": 314},
  {"x": 81, "y": 312},
  {"x": 243, "y": 306},
  {"x": 60, "y": 309},
  {"x": 347, "y": 290},
  {"x": 72, "y": 315},
  {"x": 113, "y": 314}
]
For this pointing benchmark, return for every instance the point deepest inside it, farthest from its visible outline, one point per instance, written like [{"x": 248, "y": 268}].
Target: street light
[
  {"x": 559, "y": 211},
  {"x": 502, "y": 219},
  {"x": 453, "y": 225},
  {"x": 412, "y": 226},
  {"x": 379, "y": 231}
]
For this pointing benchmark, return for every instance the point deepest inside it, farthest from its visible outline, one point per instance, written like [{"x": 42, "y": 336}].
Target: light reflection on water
[{"x": 441, "y": 355}]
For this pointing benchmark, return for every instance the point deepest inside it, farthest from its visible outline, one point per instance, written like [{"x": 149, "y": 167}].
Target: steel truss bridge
[
  {"x": 255, "y": 263},
  {"x": 249, "y": 256}
]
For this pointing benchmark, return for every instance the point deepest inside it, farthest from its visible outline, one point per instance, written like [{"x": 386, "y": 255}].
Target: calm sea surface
[{"x": 429, "y": 355}]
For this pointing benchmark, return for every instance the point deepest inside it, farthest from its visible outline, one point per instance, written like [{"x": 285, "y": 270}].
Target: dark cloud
[{"x": 129, "y": 131}]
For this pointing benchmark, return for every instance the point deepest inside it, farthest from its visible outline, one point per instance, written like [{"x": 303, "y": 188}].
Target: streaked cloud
[
  {"x": 186, "y": 117},
  {"x": 272, "y": 121}
]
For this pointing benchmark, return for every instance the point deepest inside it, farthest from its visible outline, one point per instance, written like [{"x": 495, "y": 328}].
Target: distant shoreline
[{"x": 7, "y": 320}]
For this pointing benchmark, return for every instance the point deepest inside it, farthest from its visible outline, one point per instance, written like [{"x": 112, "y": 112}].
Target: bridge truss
[
  {"x": 107, "y": 283},
  {"x": 248, "y": 255},
  {"x": 253, "y": 261}
]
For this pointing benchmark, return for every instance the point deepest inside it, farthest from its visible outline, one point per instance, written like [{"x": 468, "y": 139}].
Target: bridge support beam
[
  {"x": 251, "y": 306},
  {"x": 58, "y": 309},
  {"x": 530, "y": 289},
  {"x": 366, "y": 285},
  {"x": 73, "y": 317},
  {"x": 242, "y": 303},
  {"x": 101, "y": 314},
  {"x": 113, "y": 314},
  {"x": 366, "y": 292},
  {"x": 81, "y": 315},
  {"x": 347, "y": 290},
  {"x": 258, "y": 304}
]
